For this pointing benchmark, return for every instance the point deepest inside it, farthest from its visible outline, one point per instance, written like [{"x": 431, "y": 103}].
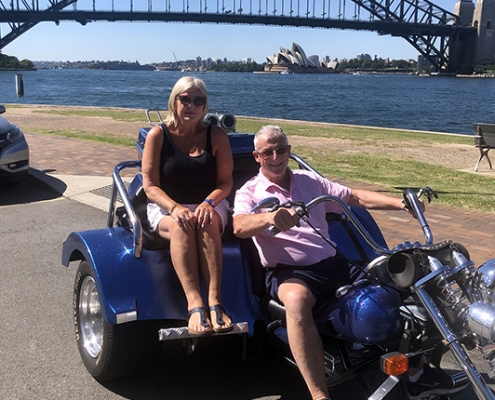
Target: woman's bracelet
[
  {"x": 172, "y": 209},
  {"x": 210, "y": 202}
]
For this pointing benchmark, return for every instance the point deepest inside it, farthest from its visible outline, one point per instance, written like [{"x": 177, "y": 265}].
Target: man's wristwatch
[{"x": 210, "y": 202}]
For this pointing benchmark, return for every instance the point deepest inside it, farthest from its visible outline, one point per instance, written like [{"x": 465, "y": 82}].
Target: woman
[{"x": 187, "y": 173}]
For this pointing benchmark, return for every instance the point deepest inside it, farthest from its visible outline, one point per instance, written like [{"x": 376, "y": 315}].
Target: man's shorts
[{"x": 322, "y": 278}]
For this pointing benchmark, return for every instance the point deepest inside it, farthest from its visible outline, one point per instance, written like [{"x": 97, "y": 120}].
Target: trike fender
[{"x": 148, "y": 286}]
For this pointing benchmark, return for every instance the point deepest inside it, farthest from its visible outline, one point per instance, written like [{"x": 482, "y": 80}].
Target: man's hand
[
  {"x": 406, "y": 208},
  {"x": 284, "y": 219}
]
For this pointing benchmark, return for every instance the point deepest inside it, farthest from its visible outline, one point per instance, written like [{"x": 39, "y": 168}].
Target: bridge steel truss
[{"x": 429, "y": 28}]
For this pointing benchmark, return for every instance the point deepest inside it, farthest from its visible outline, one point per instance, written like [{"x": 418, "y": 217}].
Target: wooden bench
[{"x": 484, "y": 139}]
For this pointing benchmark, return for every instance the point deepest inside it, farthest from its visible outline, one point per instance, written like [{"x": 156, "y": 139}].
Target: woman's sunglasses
[
  {"x": 197, "y": 101},
  {"x": 265, "y": 154}
]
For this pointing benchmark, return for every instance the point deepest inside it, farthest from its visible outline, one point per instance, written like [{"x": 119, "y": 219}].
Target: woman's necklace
[{"x": 186, "y": 140}]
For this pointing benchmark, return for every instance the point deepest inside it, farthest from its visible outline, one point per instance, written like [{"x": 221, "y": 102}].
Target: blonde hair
[
  {"x": 182, "y": 85},
  {"x": 271, "y": 133}
]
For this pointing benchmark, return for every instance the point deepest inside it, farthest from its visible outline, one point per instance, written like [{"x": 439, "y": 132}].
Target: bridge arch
[{"x": 433, "y": 31}]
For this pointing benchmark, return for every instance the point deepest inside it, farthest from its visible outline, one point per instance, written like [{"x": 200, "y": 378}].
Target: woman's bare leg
[
  {"x": 210, "y": 256},
  {"x": 183, "y": 251}
]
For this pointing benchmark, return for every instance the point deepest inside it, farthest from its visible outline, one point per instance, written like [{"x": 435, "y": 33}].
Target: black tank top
[{"x": 184, "y": 178}]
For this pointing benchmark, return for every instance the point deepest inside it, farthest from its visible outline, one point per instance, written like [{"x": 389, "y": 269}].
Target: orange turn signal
[{"x": 394, "y": 363}]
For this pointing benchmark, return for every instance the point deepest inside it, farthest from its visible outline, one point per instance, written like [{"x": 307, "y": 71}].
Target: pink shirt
[{"x": 299, "y": 245}]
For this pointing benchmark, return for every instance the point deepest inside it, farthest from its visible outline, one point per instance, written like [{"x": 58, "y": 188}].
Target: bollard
[{"x": 19, "y": 85}]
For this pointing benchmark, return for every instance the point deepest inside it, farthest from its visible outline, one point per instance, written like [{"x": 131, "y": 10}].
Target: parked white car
[{"x": 14, "y": 151}]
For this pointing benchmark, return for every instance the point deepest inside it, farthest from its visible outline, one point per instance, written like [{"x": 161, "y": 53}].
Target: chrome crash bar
[{"x": 118, "y": 186}]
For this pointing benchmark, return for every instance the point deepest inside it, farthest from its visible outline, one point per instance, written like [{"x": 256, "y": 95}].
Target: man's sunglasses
[
  {"x": 265, "y": 154},
  {"x": 197, "y": 101}
]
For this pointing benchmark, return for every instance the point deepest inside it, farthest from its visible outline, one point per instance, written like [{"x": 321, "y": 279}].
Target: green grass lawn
[{"x": 454, "y": 188}]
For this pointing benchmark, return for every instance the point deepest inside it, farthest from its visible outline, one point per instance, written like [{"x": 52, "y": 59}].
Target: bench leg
[{"x": 483, "y": 153}]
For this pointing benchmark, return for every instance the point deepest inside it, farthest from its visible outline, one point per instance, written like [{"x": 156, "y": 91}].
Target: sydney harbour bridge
[{"x": 436, "y": 33}]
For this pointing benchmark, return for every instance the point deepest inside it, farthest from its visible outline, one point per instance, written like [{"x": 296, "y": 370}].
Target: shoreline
[{"x": 246, "y": 117}]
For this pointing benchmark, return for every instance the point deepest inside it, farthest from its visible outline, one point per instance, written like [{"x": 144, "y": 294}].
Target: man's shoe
[{"x": 432, "y": 383}]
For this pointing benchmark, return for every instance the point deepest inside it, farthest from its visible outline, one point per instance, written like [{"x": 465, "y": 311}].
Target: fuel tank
[{"x": 367, "y": 314}]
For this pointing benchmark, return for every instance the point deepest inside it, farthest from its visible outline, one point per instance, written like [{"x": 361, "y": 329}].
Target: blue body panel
[
  {"x": 149, "y": 284},
  {"x": 240, "y": 143},
  {"x": 345, "y": 242}
]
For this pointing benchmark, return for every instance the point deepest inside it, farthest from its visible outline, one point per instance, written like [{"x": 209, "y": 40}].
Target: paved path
[{"x": 475, "y": 230}]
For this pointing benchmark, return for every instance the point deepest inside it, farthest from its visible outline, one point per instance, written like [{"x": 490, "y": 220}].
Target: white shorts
[{"x": 155, "y": 213}]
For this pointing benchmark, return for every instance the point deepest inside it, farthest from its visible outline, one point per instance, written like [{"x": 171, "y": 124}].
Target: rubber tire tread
[{"x": 127, "y": 348}]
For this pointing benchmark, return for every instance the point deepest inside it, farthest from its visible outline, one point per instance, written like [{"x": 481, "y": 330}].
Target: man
[{"x": 302, "y": 269}]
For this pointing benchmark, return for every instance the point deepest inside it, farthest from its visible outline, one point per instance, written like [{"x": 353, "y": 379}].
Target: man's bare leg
[{"x": 304, "y": 339}]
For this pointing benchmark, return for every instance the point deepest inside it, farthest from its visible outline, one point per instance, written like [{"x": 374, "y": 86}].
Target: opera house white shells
[{"x": 294, "y": 60}]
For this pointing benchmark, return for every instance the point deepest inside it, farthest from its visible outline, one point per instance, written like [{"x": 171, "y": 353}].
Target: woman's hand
[
  {"x": 184, "y": 217},
  {"x": 204, "y": 214}
]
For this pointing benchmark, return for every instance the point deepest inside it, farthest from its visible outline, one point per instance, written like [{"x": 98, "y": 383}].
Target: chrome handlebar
[{"x": 411, "y": 200}]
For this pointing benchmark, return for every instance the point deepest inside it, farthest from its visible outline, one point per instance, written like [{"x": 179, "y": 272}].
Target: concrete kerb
[{"x": 77, "y": 187}]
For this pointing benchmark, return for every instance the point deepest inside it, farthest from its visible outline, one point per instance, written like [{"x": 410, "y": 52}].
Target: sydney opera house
[{"x": 294, "y": 60}]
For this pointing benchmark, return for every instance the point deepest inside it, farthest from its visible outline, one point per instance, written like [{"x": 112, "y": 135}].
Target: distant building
[
  {"x": 295, "y": 60},
  {"x": 363, "y": 56}
]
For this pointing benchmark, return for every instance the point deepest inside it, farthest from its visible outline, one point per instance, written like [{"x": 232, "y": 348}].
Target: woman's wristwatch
[{"x": 210, "y": 202}]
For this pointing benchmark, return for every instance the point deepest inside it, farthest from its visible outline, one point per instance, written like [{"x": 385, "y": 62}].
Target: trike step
[{"x": 182, "y": 333}]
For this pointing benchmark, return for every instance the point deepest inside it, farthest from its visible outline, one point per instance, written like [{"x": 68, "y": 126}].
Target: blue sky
[{"x": 157, "y": 42}]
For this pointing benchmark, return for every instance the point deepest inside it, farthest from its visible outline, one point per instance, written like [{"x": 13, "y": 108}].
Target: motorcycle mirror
[
  {"x": 404, "y": 269},
  {"x": 269, "y": 202}
]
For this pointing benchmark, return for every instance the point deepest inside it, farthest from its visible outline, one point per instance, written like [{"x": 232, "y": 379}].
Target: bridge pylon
[{"x": 469, "y": 51}]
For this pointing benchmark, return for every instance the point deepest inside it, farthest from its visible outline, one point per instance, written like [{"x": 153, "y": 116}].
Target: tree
[{"x": 12, "y": 63}]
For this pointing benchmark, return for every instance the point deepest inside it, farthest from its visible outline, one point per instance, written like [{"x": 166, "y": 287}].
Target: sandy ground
[{"x": 457, "y": 156}]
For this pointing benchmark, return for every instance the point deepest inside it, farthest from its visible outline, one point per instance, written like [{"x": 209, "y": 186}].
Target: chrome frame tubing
[
  {"x": 482, "y": 390},
  {"x": 418, "y": 212},
  {"x": 158, "y": 114},
  {"x": 345, "y": 209},
  {"x": 118, "y": 186},
  {"x": 303, "y": 164}
]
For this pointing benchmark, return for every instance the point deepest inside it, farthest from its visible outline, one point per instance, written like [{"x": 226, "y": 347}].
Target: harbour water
[{"x": 438, "y": 104}]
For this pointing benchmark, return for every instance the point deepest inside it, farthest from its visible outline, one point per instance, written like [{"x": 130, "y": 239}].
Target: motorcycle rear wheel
[{"x": 109, "y": 351}]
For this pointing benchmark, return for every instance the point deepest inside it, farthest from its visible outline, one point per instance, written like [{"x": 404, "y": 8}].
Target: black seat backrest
[
  {"x": 245, "y": 167},
  {"x": 151, "y": 240}
]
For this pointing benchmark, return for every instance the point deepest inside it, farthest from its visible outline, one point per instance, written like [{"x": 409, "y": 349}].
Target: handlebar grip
[{"x": 273, "y": 230}]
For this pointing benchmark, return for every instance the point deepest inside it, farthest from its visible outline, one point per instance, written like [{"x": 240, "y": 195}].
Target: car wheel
[{"x": 109, "y": 351}]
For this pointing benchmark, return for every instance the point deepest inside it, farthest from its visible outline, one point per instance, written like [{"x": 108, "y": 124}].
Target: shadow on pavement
[
  {"x": 215, "y": 370},
  {"x": 38, "y": 186}
]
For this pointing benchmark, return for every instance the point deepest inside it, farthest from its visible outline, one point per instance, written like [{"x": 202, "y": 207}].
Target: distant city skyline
[
  {"x": 158, "y": 42},
  {"x": 200, "y": 59}
]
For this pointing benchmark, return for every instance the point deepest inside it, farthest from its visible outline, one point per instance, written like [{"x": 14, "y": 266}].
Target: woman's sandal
[
  {"x": 203, "y": 322},
  {"x": 219, "y": 328}
]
